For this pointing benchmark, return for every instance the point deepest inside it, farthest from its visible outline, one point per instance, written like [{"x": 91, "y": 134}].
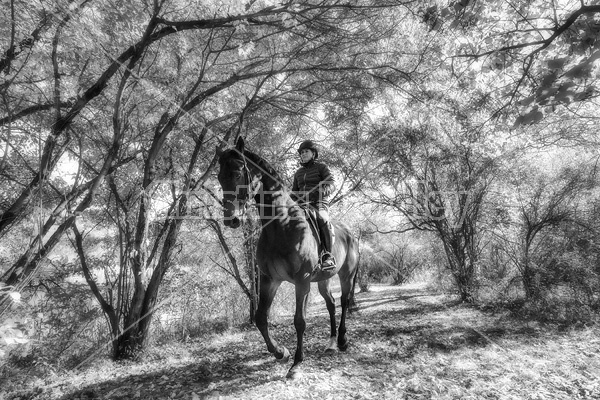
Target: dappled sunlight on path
[{"x": 405, "y": 342}]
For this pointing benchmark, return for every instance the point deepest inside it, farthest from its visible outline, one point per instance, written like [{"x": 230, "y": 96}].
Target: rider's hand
[{"x": 314, "y": 196}]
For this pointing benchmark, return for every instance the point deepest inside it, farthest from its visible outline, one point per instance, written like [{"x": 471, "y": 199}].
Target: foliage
[
  {"x": 543, "y": 231},
  {"x": 435, "y": 186},
  {"x": 133, "y": 95},
  {"x": 385, "y": 259},
  {"x": 543, "y": 52},
  {"x": 451, "y": 118},
  {"x": 13, "y": 331}
]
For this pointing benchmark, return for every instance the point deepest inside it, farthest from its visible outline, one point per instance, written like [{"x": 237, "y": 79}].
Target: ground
[{"x": 406, "y": 343}]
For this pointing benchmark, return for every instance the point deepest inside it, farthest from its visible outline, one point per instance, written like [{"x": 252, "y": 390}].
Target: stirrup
[{"x": 329, "y": 262}]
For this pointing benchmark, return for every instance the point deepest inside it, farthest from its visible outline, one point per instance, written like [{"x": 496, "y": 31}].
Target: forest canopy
[{"x": 463, "y": 135}]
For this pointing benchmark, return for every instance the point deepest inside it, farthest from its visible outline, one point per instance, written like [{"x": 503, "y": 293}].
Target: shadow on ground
[
  {"x": 392, "y": 324},
  {"x": 200, "y": 379}
]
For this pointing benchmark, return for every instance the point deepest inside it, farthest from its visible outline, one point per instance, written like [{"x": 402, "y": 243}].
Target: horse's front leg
[
  {"x": 324, "y": 289},
  {"x": 302, "y": 291},
  {"x": 347, "y": 283},
  {"x": 268, "y": 289}
]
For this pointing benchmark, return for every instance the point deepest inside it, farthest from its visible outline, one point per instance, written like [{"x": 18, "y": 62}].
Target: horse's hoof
[
  {"x": 332, "y": 346},
  {"x": 343, "y": 346},
  {"x": 294, "y": 373},
  {"x": 285, "y": 357}
]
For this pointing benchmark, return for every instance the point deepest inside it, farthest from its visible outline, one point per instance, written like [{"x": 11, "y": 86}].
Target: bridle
[{"x": 245, "y": 191}]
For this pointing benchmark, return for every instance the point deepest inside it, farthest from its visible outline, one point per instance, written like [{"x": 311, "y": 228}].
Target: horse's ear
[
  {"x": 239, "y": 145},
  {"x": 219, "y": 151}
]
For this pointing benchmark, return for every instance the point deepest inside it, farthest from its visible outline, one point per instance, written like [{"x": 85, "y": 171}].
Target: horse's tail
[{"x": 352, "y": 305}]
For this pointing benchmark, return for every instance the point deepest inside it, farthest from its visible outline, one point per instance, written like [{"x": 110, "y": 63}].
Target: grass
[{"x": 406, "y": 343}]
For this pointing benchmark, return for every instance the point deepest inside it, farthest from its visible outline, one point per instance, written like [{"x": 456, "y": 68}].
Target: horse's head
[{"x": 235, "y": 179}]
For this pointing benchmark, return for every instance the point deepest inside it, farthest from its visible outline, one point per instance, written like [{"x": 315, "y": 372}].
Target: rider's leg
[{"x": 328, "y": 237}]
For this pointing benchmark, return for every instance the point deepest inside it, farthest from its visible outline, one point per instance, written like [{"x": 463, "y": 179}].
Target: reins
[{"x": 245, "y": 193}]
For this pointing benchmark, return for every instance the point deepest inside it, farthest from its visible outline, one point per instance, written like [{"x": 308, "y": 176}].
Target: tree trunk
[
  {"x": 530, "y": 284},
  {"x": 464, "y": 282},
  {"x": 130, "y": 343},
  {"x": 461, "y": 261},
  {"x": 528, "y": 275}
]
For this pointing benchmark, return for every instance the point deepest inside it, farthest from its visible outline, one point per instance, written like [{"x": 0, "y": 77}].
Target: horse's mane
[{"x": 266, "y": 169}]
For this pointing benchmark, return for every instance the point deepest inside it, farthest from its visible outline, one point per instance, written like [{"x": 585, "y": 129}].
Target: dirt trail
[{"x": 406, "y": 343}]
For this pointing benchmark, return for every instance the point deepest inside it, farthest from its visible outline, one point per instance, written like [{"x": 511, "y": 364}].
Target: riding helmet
[{"x": 310, "y": 145}]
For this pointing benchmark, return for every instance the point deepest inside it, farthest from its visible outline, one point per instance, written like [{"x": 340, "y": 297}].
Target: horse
[{"x": 287, "y": 249}]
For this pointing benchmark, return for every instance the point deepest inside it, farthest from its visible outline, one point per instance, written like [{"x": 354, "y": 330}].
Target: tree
[
  {"x": 174, "y": 83},
  {"x": 545, "y": 202},
  {"x": 431, "y": 153},
  {"x": 436, "y": 185}
]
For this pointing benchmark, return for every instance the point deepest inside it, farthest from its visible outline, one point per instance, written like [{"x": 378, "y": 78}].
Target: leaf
[
  {"x": 15, "y": 296},
  {"x": 580, "y": 71},
  {"x": 557, "y": 63},
  {"x": 589, "y": 91},
  {"x": 529, "y": 118},
  {"x": 584, "y": 68},
  {"x": 565, "y": 94},
  {"x": 549, "y": 79},
  {"x": 527, "y": 101},
  {"x": 533, "y": 116},
  {"x": 8, "y": 340},
  {"x": 545, "y": 94},
  {"x": 8, "y": 324}
]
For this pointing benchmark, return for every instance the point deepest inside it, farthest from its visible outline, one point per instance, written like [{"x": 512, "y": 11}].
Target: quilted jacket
[{"x": 313, "y": 183}]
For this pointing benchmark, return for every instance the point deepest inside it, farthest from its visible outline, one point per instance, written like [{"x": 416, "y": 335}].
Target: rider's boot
[{"x": 327, "y": 258}]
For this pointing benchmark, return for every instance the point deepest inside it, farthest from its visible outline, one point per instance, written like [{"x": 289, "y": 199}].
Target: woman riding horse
[
  {"x": 287, "y": 248},
  {"x": 313, "y": 184}
]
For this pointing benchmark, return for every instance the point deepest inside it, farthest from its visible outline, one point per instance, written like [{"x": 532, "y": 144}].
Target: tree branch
[
  {"x": 106, "y": 307},
  {"x": 593, "y": 9}
]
